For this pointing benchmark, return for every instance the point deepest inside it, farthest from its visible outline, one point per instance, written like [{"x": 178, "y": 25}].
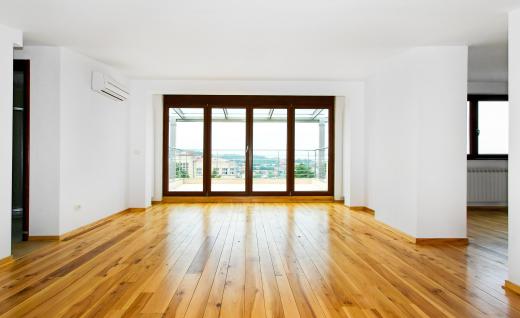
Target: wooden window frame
[
  {"x": 474, "y": 100},
  {"x": 249, "y": 102}
]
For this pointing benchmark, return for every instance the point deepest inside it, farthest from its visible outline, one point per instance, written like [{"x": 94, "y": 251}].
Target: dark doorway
[{"x": 20, "y": 191}]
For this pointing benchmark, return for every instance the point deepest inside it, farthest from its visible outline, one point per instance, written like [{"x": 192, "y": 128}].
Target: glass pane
[
  {"x": 18, "y": 142},
  {"x": 18, "y": 156},
  {"x": 228, "y": 143},
  {"x": 493, "y": 123},
  {"x": 269, "y": 150},
  {"x": 186, "y": 160},
  {"x": 18, "y": 89},
  {"x": 311, "y": 141}
]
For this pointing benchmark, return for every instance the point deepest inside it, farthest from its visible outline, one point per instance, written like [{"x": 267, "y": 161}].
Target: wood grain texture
[
  {"x": 246, "y": 199},
  {"x": 6, "y": 260},
  {"x": 81, "y": 230},
  {"x": 437, "y": 241},
  {"x": 44, "y": 238},
  {"x": 260, "y": 260},
  {"x": 410, "y": 238},
  {"x": 362, "y": 209},
  {"x": 512, "y": 287}
]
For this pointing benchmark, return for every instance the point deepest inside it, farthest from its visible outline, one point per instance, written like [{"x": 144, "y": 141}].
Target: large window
[
  {"x": 311, "y": 149},
  {"x": 270, "y": 150},
  {"x": 228, "y": 149},
  {"x": 185, "y": 149},
  {"x": 248, "y": 145},
  {"x": 488, "y": 127}
]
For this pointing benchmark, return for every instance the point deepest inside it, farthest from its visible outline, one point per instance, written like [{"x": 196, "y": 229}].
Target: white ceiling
[{"x": 254, "y": 39}]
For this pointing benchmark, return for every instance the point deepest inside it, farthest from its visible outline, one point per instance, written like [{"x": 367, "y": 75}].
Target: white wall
[
  {"x": 442, "y": 129},
  {"x": 514, "y": 147},
  {"x": 158, "y": 144},
  {"x": 44, "y": 138},
  {"x": 93, "y": 145},
  {"x": 143, "y": 173},
  {"x": 139, "y": 193},
  {"x": 339, "y": 109},
  {"x": 9, "y": 38},
  {"x": 415, "y": 135},
  {"x": 391, "y": 139},
  {"x": 79, "y": 143},
  {"x": 354, "y": 147}
]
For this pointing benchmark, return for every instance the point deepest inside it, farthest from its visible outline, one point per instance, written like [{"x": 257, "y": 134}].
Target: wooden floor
[
  {"x": 25, "y": 247},
  {"x": 260, "y": 260}
]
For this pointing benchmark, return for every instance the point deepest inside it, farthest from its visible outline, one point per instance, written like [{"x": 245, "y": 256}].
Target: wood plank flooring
[{"x": 260, "y": 260}]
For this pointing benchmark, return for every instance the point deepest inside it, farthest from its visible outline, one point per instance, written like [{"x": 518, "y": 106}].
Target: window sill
[{"x": 488, "y": 157}]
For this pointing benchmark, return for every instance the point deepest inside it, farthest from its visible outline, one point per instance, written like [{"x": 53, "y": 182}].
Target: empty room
[{"x": 355, "y": 158}]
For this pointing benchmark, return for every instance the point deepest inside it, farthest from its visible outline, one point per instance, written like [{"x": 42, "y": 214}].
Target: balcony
[{"x": 228, "y": 170}]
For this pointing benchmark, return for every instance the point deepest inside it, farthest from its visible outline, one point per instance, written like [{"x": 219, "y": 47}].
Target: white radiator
[{"x": 487, "y": 186}]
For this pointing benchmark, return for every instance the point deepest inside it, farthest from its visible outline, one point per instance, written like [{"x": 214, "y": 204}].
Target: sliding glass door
[
  {"x": 248, "y": 145},
  {"x": 228, "y": 150},
  {"x": 185, "y": 149},
  {"x": 270, "y": 150},
  {"x": 311, "y": 160}
]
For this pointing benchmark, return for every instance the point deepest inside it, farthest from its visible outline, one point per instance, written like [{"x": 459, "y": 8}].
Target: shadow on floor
[{"x": 23, "y": 248}]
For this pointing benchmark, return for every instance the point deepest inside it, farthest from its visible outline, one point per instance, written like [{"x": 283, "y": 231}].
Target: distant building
[{"x": 191, "y": 163}]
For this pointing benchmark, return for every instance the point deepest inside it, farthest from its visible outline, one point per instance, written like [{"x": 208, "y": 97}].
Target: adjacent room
[{"x": 260, "y": 159}]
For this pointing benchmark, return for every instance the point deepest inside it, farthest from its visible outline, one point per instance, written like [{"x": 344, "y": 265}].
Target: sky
[
  {"x": 231, "y": 135},
  {"x": 493, "y": 123},
  {"x": 494, "y": 127}
]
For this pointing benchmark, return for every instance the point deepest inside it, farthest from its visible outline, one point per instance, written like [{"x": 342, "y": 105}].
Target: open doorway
[
  {"x": 20, "y": 177},
  {"x": 487, "y": 150}
]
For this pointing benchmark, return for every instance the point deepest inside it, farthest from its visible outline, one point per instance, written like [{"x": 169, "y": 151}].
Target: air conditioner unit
[{"x": 107, "y": 86}]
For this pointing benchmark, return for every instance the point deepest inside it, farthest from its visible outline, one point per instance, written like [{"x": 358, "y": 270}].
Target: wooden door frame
[
  {"x": 25, "y": 67},
  {"x": 249, "y": 102}
]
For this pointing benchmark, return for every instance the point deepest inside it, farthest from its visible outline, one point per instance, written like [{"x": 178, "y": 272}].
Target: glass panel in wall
[
  {"x": 270, "y": 150},
  {"x": 186, "y": 159},
  {"x": 311, "y": 142},
  {"x": 228, "y": 149},
  {"x": 493, "y": 124},
  {"x": 18, "y": 184}
]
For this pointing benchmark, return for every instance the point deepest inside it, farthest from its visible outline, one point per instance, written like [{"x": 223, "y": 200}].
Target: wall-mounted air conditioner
[{"x": 107, "y": 86}]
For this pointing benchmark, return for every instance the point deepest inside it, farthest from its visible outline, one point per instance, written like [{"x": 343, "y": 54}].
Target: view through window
[
  {"x": 186, "y": 140},
  {"x": 493, "y": 125},
  {"x": 228, "y": 149},
  {"x": 311, "y": 150},
  {"x": 270, "y": 150}
]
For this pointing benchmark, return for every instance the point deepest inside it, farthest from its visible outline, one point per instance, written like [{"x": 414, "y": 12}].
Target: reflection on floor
[
  {"x": 23, "y": 248},
  {"x": 238, "y": 185},
  {"x": 260, "y": 260},
  {"x": 487, "y": 230}
]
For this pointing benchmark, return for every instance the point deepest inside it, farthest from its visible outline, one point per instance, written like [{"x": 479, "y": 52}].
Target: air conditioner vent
[{"x": 108, "y": 87}]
